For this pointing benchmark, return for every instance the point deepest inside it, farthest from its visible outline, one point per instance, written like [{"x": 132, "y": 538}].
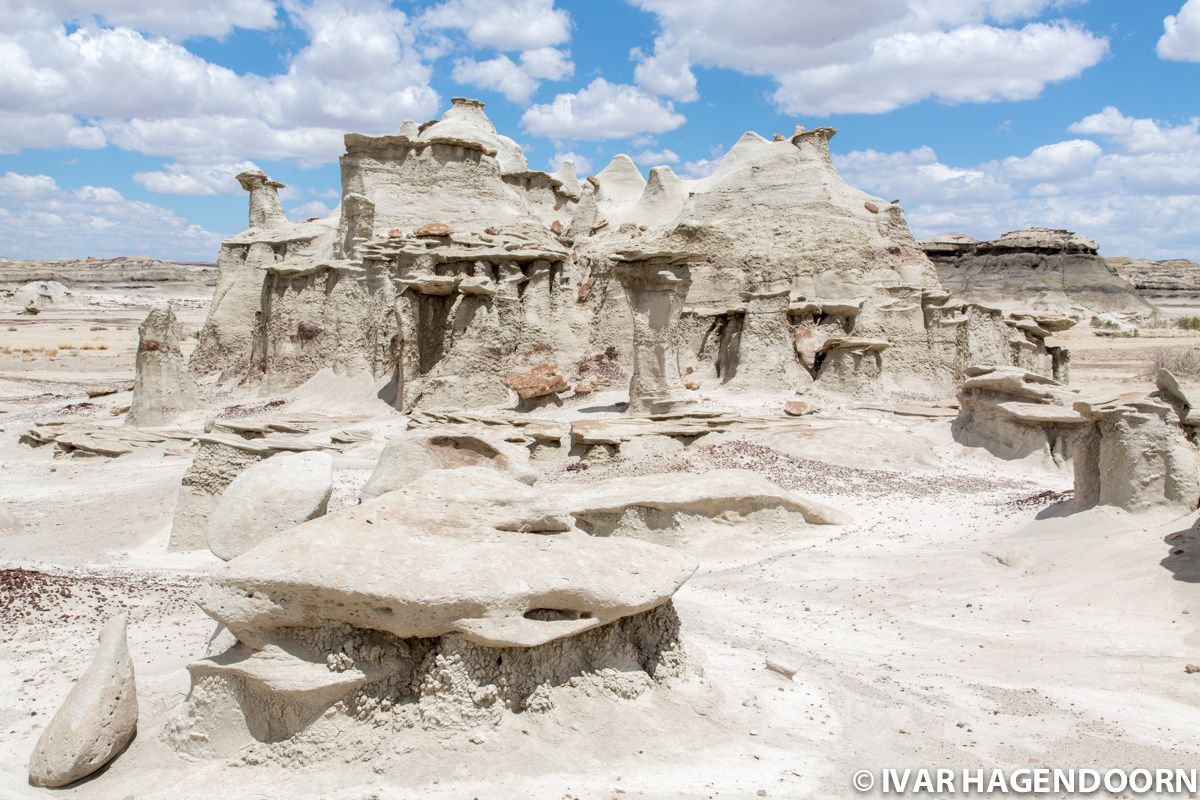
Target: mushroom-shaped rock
[
  {"x": 465, "y": 120},
  {"x": 409, "y": 455},
  {"x": 271, "y": 496},
  {"x": 162, "y": 387},
  {"x": 266, "y": 210},
  {"x": 396, "y": 565},
  {"x": 95, "y": 722}
]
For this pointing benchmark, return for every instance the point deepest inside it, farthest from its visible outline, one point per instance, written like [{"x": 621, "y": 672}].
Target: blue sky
[{"x": 121, "y": 126}]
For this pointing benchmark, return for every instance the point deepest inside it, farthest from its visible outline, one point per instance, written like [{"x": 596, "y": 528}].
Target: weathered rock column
[
  {"x": 1135, "y": 456},
  {"x": 655, "y": 287},
  {"x": 766, "y": 359},
  {"x": 162, "y": 387},
  {"x": 266, "y": 211}
]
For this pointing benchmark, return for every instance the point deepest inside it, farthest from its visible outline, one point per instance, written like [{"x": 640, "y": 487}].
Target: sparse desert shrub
[
  {"x": 66, "y": 346},
  {"x": 1105, "y": 324},
  {"x": 7, "y": 350},
  {"x": 50, "y": 351},
  {"x": 1183, "y": 363},
  {"x": 1188, "y": 323}
]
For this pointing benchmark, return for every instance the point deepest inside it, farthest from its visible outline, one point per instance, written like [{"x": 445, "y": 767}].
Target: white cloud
[
  {"x": 197, "y": 180},
  {"x": 304, "y": 211},
  {"x": 516, "y": 82},
  {"x": 498, "y": 74},
  {"x": 972, "y": 63},
  {"x": 503, "y": 24},
  {"x": 654, "y": 158},
  {"x": 666, "y": 71},
  {"x": 1181, "y": 34},
  {"x": 22, "y": 130},
  {"x": 583, "y": 164},
  {"x": 1133, "y": 135},
  {"x": 1131, "y": 198},
  {"x": 39, "y": 219},
  {"x": 700, "y": 168},
  {"x": 359, "y": 71},
  {"x": 601, "y": 110},
  {"x": 14, "y": 184},
  {"x": 169, "y": 17},
  {"x": 547, "y": 63},
  {"x": 1052, "y": 162},
  {"x": 870, "y": 56}
]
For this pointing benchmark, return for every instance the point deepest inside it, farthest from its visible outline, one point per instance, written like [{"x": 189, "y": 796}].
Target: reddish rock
[
  {"x": 797, "y": 408},
  {"x": 396, "y": 233},
  {"x": 583, "y": 388},
  {"x": 692, "y": 385},
  {"x": 556, "y": 228},
  {"x": 585, "y": 289},
  {"x": 492, "y": 231},
  {"x": 434, "y": 229},
  {"x": 540, "y": 381},
  {"x": 308, "y": 330},
  {"x": 869, "y": 206}
]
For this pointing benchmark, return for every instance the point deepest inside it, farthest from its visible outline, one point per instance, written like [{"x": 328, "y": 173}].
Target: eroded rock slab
[
  {"x": 95, "y": 722},
  {"x": 393, "y": 565},
  {"x": 711, "y": 494}
]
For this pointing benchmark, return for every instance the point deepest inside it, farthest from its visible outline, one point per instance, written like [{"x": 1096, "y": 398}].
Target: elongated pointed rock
[{"x": 95, "y": 722}]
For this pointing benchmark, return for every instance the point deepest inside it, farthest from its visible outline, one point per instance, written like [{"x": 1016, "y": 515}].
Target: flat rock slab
[
  {"x": 413, "y": 571},
  {"x": 97, "y": 719},
  {"x": 271, "y": 496},
  {"x": 709, "y": 494}
]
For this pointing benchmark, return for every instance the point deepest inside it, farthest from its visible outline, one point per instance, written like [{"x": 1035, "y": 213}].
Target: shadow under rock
[{"x": 1184, "y": 558}]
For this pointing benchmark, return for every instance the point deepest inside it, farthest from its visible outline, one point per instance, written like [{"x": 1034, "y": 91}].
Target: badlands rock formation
[
  {"x": 1035, "y": 269},
  {"x": 35, "y": 296},
  {"x": 163, "y": 389},
  {"x": 1014, "y": 413},
  {"x": 95, "y": 722},
  {"x": 445, "y": 604},
  {"x": 450, "y": 265},
  {"x": 1171, "y": 285}
]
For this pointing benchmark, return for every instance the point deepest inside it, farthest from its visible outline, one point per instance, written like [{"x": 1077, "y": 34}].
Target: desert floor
[{"x": 964, "y": 619}]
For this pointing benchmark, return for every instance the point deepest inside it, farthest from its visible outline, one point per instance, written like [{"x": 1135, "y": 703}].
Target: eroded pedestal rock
[{"x": 655, "y": 286}]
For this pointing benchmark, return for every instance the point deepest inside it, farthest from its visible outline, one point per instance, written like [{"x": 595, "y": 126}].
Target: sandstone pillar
[{"x": 655, "y": 290}]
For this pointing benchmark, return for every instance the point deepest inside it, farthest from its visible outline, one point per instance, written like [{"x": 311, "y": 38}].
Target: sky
[{"x": 123, "y": 123}]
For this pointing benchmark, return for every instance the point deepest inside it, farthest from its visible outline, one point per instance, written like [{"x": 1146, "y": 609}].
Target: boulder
[
  {"x": 95, "y": 722},
  {"x": 540, "y": 381},
  {"x": 271, "y": 496},
  {"x": 434, "y": 229},
  {"x": 36, "y": 296},
  {"x": 412, "y": 454},
  {"x": 797, "y": 408}
]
